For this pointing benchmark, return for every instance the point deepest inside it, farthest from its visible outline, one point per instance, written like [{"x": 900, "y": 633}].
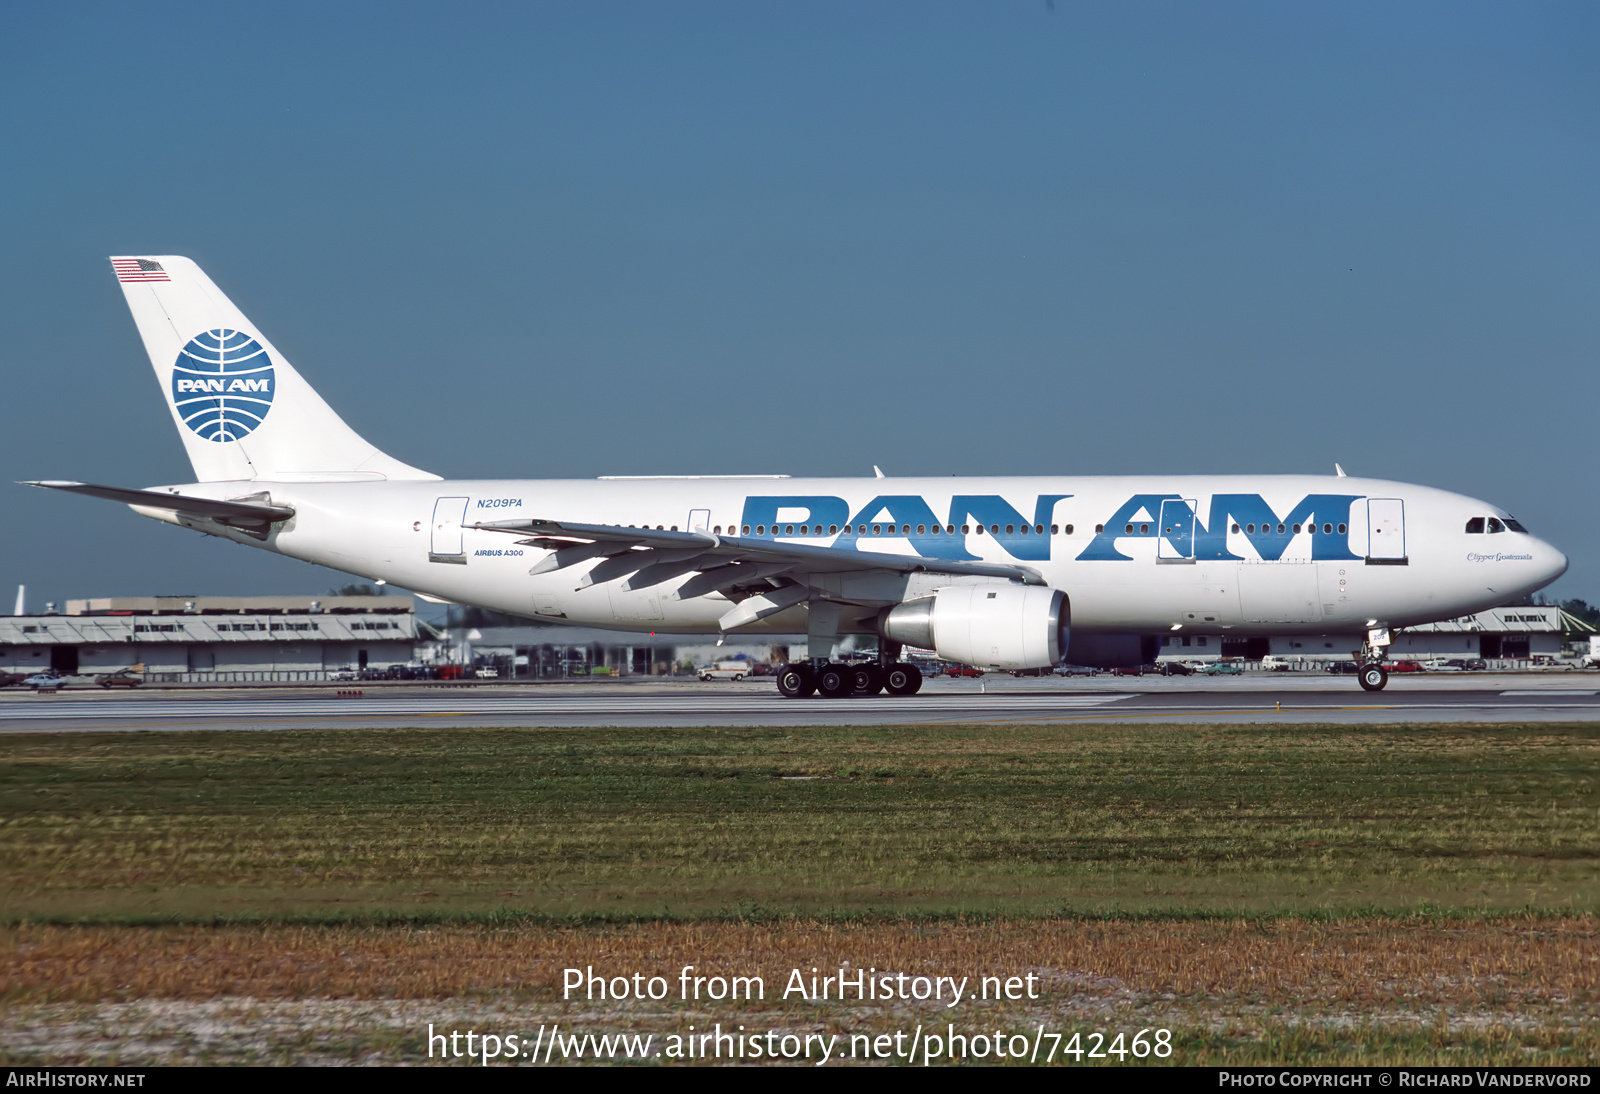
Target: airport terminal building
[{"x": 228, "y": 639}]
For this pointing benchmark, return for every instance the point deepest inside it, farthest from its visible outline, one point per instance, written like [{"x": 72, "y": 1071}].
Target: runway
[{"x": 1257, "y": 699}]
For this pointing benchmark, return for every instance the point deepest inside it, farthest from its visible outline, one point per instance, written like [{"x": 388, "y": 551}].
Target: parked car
[
  {"x": 1343, "y": 668},
  {"x": 1223, "y": 668},
  {"x": 343, "y": 674},
  {"x": 45, "y": 681},
  {"x": 1392, "y": 667},
  {"x": 957, "y": 669},
  {"x": 1076, "y": 670},
  {"x": 109, "y": 680},
  {"x": 1176, "y": 668},
  {"x": 724, "y": 670}
]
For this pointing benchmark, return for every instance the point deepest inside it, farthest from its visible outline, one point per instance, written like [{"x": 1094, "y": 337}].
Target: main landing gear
[
  {"x": 1373, "y": 677},
  {"x": 836, "y": 681}
]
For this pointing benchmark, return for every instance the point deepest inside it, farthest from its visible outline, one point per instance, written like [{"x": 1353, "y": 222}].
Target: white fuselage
[{"x": 1285, "y": 554}]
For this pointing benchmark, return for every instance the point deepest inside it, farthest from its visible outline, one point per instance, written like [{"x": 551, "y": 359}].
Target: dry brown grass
[
  {"x": 1504, "y": 991},
  {"x": 1518, "y": 960}
]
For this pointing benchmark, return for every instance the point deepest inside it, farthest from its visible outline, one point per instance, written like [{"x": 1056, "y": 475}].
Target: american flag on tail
[{"x": 138, "y": 269}]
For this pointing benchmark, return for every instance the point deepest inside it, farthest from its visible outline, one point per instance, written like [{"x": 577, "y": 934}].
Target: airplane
[{"x": 999, "y": 573}]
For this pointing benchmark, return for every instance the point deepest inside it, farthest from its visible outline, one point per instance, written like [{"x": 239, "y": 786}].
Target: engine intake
[{"x": 988, "y": 626}]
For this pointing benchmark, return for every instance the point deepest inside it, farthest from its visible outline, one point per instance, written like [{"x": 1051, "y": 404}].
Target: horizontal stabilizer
[{"x": 242, "y": 513}]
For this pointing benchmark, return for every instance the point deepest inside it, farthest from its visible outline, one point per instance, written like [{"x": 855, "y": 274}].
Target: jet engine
[{"x": 988, "y": 626}]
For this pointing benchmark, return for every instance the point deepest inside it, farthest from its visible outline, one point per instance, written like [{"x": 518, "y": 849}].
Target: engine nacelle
[
  {"x": 1113, "y": 651},
  {"x": 988, "y": 626}
]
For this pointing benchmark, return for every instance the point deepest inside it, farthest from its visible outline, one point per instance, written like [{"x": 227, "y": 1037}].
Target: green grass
[{"x": 934, "y": 820}]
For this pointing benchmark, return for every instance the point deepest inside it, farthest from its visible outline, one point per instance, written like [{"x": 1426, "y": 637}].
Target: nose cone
[{"x": 1551, "y": 562}]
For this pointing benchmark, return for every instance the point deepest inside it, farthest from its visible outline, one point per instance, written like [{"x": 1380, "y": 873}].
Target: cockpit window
[
  {"x": 1495, "y": 526},
  {"x": 1475, "y": 526},
  {"x": 1515, "y": 525}
]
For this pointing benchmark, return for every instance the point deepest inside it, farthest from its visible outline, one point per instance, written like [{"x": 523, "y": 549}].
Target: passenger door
[
  {"x": 1386, "y": 530},
  {"x": 446, "y": 544}
]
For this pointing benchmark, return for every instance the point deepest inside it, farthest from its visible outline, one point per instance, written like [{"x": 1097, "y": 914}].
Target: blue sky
[{"x": 567, "y": 240}]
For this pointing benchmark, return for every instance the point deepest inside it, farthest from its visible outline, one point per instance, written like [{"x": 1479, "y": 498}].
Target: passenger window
[
  {"x": 1069, "y": 529},
  {"x": 1250, "y": 529},
  {"x": 833, "y": 529},
  {"x": 922, "y": 529},
  {"x": 1341, "y": 529},
  {"x": 994, "y": 529},
  {"x": 1475, "y": 526},
  {"x": 1297, "y": 529},
  {"x": 1098, "y": 528},
  {"x": 1235, "y": 529},
  {"x": 1128, "y": 531},
  {"x": 1011, "y": 529},
  {"x": 1280, "y": 529},
  {"x": 1055, "y": 529}
]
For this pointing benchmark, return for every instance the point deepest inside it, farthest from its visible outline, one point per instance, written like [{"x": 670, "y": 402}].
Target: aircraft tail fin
[{"x": 242, "y": 410}]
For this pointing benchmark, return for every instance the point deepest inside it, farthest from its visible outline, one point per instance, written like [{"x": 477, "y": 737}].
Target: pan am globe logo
[{"x": 222, "y": 384}]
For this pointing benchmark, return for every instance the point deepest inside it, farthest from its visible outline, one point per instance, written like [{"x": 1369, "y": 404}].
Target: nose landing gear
[{"x": 1373, "y": 675}]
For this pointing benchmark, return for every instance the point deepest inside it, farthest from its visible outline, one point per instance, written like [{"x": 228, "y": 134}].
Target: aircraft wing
[
  {"x": 725, "y": 564},
  {"x": 241, "y": 514}
]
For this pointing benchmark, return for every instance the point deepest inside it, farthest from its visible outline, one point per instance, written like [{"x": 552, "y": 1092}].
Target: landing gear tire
[
  {"x": 902, "y": 679},
  {"x": 1374, "y": 677},
  {"x": 835, "y": 681},
  {"x": 867, "y": 679},
  {"x": 797, "y": 681}
]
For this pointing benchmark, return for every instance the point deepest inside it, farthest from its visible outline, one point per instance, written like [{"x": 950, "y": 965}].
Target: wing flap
[{"x": 720, "y": 550}]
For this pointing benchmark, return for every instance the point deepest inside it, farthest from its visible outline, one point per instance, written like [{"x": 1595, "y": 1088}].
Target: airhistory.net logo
[{"x": 222, "y": 384}]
